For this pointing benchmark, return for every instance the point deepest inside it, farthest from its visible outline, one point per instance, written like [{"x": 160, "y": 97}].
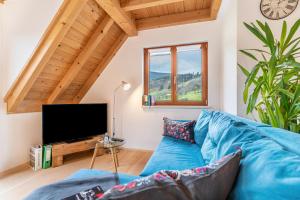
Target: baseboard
[
  {"x": 15, "y": 169},
  {"x": 135, "y": 149}
]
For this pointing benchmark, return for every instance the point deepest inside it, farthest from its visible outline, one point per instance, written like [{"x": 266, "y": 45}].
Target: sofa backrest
[
  {"x": 289, "y": 140},
  {"x": 268, "y": 169}
]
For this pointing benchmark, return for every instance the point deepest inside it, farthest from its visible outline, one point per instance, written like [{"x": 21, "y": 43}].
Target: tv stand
[
  {"x": 66, "y": 148},
  {"x": 78, "y": 140}
]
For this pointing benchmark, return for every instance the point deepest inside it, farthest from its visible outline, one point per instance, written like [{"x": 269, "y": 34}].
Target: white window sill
[{"x": 174, "y": 107}]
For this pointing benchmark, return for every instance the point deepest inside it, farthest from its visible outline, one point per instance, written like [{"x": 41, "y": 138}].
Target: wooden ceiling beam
[
  {"x": 174, "y": 19},
  {"x": 142, "y": 4},
  {"x": 100, "y": 68},
  {"x": 54, "y": 34},
  {"x": 122, "y": 18},
  {"x": 82, "y": 58},
  {"x": 214, "y": 8}
]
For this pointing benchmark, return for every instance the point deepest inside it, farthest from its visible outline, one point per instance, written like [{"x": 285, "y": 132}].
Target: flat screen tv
[{"x": 70, "y": 122}]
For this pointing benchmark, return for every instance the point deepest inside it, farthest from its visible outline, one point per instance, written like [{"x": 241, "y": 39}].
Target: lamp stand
[
  {"x": 126, "y": 86},
  {"x": 114, "y": 111}
]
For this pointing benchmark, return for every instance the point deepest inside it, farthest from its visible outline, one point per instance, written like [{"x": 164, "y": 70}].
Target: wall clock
[{"x": 277, "y": 9}]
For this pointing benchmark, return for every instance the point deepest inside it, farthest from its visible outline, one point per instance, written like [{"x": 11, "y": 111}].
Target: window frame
[{"x": 204, "y": 73}]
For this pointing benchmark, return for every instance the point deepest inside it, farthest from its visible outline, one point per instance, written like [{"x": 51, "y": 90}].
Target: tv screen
[{"x": 69, "y": 122}]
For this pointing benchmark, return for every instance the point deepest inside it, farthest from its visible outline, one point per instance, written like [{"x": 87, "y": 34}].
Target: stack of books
[
  {"x": 40, "y": 157},
  {"x": 149, "y": 100}
]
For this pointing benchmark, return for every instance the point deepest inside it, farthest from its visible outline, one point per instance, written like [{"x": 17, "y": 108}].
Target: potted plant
[{"x": 272, "y": 87}]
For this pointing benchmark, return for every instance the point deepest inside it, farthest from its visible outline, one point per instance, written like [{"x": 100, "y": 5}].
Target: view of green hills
[
  {"x": 188, "y": 86},
  {"x": 188, "y": 67}
]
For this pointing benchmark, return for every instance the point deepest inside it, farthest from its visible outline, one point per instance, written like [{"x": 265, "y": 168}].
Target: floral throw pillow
[
  {"x": 210, "y": 182},
  {"x": 183, "y": 130}
]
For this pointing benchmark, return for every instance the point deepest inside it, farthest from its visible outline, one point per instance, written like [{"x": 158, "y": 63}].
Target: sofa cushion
[
  {"x": 218, "y": 123},
  {"x": 244, "y": 120},
  {"x": 201, "y": 127},
  {"x": 173, "y": 154},
  {"x": 268, "y": 170},
  {"x": 288, "y": 139},
  {"x": 155, "y": 186},
  {"x": 213, "y": 181},
  {"x": 182, "y": 130},
  {"x": 209, "y": 182}
]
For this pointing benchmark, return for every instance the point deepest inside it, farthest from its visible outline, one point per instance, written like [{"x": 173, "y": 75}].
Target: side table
[{"x": 112, "y": 146}]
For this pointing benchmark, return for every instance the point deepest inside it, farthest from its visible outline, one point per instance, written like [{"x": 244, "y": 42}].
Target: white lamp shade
[{"x": 126, "y": 86}]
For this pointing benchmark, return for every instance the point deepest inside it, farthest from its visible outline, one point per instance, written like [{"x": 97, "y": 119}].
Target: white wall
[
  {"x": 228, "y": 84},
  {"x": 142, "y": 128},
  {"x": 22, "y": 25},
  {"x": 248, "y": 11}
]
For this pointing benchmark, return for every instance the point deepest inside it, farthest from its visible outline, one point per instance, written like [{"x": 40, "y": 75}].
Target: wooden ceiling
[{"x": 82, "y": 39}]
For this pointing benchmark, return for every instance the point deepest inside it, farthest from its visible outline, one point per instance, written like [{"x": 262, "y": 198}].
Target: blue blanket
[{"x": 72, "y": 186}]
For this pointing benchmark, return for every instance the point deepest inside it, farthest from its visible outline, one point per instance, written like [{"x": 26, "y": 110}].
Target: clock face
[{"x": 277, "y": 9}]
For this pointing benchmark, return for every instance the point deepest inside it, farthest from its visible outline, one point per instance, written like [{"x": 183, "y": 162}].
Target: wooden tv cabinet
[{"x": 62, "y": 149}]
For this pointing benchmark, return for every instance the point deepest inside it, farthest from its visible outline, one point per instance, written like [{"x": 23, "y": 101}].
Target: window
[{"x": 176, "y": 75}]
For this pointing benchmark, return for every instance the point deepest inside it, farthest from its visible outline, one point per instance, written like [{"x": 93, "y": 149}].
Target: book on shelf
[
  {"x": 149, "y": 100},
  {"x": 47, "y": 153},
  {"x": 36, "y": 157}
]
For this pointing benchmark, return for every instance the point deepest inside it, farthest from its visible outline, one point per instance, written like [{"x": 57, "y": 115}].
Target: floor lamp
[{"x": 125, "y": 86}]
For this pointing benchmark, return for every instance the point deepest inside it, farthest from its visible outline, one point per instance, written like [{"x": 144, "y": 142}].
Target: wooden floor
[{"x": 18, "y": 185}]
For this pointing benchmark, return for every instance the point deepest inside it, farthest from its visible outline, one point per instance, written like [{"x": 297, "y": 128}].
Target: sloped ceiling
[{"x": 82, "y": 39}]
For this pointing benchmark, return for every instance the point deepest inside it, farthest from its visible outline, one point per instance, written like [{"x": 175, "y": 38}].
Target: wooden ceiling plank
[
  {"x": 214, "y": 8},
  {"x": 81, "y": 59},
  {"x": 122, "y": 18},
  {"x": 174, "y": 19},
  {"x": 80, "y": 28},
  {"x": 54, "y": 34},
  {"x": 101, "y": 66},
  {"x": 142, "y": 4}
]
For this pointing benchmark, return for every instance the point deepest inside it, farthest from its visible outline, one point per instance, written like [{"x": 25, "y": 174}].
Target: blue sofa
[{"x": 270, "y": 166}]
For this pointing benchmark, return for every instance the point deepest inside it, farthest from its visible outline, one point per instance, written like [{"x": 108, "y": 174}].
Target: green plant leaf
[
  {"x": 245, "y": 94},
  {"x": 292, "y": 32},
  {"x": 293, "y": 49},
  {"x": 271, "y": 115},
  {"x": 257, "y": 33},
  {"x": 264, "y": 57},
  {"x": 283, "y": 34},
  {"x": 262, "y": 115},
  {"x": 260, "y": 24},
  {"x": 279, "y": 116},
  {"x": 250, "y": 55},
  {"x": 253, "y": 97},
  {"x": 270, "y": 38},
  {"x": 276, "y": 88},
  {"x": 295, "y": 64},
  {"x": 244, "y": 70},
  {"x": 249, "y": 81},
  {"x": 286, "y": 92},
  {"x": 292, "y": 42},
  {"x": 297, "y": 94},
  {"x": 258, "y": 50}
]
